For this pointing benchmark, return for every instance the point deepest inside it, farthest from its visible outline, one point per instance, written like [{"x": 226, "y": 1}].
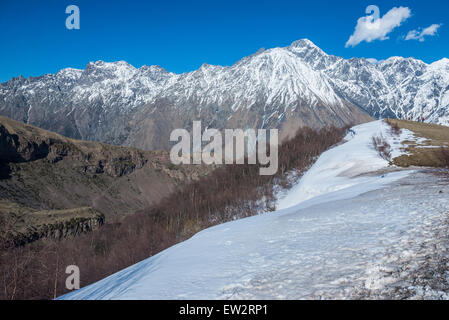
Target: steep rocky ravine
[{"x": 44, "y": 172}]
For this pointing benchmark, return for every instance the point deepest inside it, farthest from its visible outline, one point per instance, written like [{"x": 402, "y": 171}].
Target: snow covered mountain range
[{"x": 278, "y": 88}]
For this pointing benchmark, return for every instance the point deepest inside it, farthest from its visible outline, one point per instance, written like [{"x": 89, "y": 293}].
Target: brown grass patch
[
  {"x": 429, "y": 153},
  {"x": 395, "y": 129},
  {"x": 444, "y": 156}
]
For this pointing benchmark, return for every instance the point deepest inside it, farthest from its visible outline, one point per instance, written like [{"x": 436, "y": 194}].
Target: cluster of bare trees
[
  {"x": 37, "y": 270},
  {"x": 382, "y": 147}
]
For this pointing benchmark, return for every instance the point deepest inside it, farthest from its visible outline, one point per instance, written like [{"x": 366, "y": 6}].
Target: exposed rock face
[
  {"x": 30, "y": 145},
  {"x": 57, "y": 224},
  {"x": 119, "y": 104},
  {"x": 42, "y": 170},
  {"x": 91, "y": 104},
  {"x": 13, "y": 150},
  {"x": 278, "y": 88},
  {"x": 72, "y": 227}
]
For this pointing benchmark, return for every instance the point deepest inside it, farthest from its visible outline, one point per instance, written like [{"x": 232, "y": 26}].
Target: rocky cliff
[{"x": 44, "y": 174}]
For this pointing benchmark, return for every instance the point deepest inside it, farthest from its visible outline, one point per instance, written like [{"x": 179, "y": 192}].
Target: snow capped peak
[
  {"x": 397, "y": 59},
  {"x": 306, "y": 47},
  {"x": 69, "y": 70},
  {"x": 116, "y": 65},
  {"x": 303, "y": 43},
  {"x": 444, "y": 60},
  {"x": 402, "y": 60},
  {"x": 273, "y": 83},
  {"x": 153, "y": 73},
  {"x": 311, "y": 54},
  {"x": 71, "y": 73},
  {"x": 99, "y": 71},
  {"x": 96, "y": 64},
  {"x": 394, "y": 59},
  {"x": 441, "y": 64},
  {"x": 207, "y": 66}
]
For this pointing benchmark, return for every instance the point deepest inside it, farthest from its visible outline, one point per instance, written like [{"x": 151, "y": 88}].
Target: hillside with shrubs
[{"x": 37, "y": 270}]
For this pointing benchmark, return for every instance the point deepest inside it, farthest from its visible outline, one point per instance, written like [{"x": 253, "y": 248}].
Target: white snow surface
[
  {"x": 346, "y": 215},
  {"x": 346, "y": 165}
]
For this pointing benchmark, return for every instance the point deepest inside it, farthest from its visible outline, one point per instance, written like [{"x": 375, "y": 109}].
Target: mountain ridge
[{"x": 284, "y": 88}]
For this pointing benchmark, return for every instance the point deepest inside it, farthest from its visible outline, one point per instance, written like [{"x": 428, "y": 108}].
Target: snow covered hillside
[
  {"x": 346, "y": 165},
  {"x": 353, "y": 227}
]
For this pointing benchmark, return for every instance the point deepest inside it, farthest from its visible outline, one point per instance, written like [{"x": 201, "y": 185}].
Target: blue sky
[{"x": 182, "y": 35}]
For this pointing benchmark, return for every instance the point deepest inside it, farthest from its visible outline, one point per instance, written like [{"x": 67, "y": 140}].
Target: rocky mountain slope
[
  {"x": 21, "y": 225},
  {"x": 43, "y": 173},
  {"x": 281, "y": 87}
]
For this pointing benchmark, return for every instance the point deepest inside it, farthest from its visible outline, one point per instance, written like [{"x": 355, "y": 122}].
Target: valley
[{"x": 45, "y": 174}]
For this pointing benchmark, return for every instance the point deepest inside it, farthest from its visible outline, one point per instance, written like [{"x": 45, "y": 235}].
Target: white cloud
[
  {"x": 372, "y": 60},
  {"x": 419, "y": 35},
  {"x": 369, "y": 29}
]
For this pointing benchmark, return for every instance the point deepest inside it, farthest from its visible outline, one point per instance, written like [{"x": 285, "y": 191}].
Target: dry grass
[
  {"x": 432, "y": 152},
  {"x": 444, "y": 156},
  {"x": 395, "y": 129}
]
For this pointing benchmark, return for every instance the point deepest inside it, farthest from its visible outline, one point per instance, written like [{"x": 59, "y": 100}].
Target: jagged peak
[
  {"x": 109, "y": 70},
  {"x": 303, "y": 43},
  {"x": 398, "y": 59},
  {"x": 305, "y": 48},
  {"x": 154, "y": 69},
  {"x": 70, "y": 72},
  {"x": 394, "y": 59},
  {"x": 441, "y": 63},
  {"x": 114, "y": 64}
]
